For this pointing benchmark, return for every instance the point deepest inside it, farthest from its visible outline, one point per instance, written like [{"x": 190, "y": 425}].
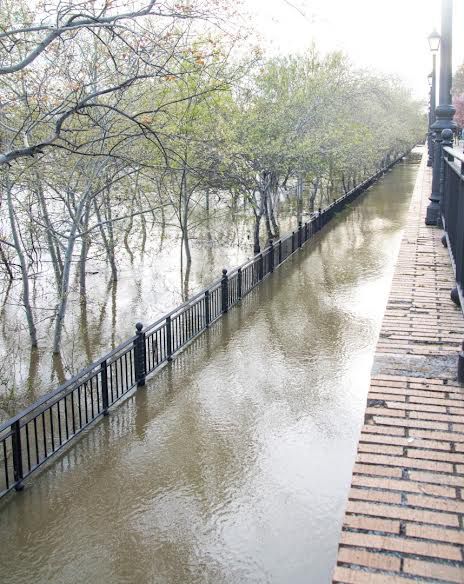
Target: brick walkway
[{"x": 404, "y": 517}]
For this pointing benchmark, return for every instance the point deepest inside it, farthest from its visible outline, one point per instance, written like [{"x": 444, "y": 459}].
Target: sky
[{"x": 388, "y": 36}]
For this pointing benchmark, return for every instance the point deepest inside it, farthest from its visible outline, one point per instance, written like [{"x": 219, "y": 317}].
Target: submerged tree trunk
[
  {"x": 269, "y": 188},
  {"x": 84, "y": 328},
  {"x": 58, "y": 368},
  {"x": 299, "y": 198},
  {"x": 256, "y": 230},
  {"x": 346, "y": 185},
  {"x": 34, "y": 361},
  {"x": 267, "y": 220},
  {"x": 273, "y": 197},
  {"x": 185, "y": 278},
  {"x": 67, "y": 262},
  {"x": 63, "y": 299},
  {"x": 313, "y": 195}
]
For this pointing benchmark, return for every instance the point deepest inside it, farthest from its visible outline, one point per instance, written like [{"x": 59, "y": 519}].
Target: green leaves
[{"x": 317, "y": 116}]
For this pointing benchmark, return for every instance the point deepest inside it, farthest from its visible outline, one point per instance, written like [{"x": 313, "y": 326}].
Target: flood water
[
  {"x": 233, "y": 464},
  {"x": 152, "y": 280}
]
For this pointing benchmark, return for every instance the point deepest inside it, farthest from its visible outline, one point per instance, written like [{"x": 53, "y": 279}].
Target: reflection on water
[
  {"x": 153, "y": 278},
  {"x": 231, "y": 465}
]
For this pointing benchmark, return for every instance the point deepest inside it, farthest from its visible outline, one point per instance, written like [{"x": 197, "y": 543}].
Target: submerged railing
[
  {"x": 36, "y": 434},
  {"x": 452, "y": 218}
]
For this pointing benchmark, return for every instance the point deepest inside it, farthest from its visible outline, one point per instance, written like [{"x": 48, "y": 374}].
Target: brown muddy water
[
  {"x": 152, "y": 280},
  {"x": 233, "y": 464}
]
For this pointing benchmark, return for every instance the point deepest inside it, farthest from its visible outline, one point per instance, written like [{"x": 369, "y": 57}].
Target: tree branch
[{"x": 73, "y": 23}]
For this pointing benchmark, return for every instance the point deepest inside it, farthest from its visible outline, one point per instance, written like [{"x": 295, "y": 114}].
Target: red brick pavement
[{"x": 404, "y": 516}]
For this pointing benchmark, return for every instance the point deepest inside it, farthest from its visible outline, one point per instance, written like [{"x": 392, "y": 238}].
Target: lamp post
[
  {"x": 431, "y": 120},
  {"x": 444, "y": 113},
  {"x": 434, "y": 44}
]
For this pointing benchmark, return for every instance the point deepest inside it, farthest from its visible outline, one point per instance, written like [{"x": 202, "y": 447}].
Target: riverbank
[{"x": 405, "y": 511}]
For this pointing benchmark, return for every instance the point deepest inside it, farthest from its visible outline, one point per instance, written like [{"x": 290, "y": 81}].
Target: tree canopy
[{"x": 115, "y": 113}]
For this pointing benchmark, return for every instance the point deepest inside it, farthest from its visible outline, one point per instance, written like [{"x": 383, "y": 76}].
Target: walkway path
[{"x": 404, "y": 517}]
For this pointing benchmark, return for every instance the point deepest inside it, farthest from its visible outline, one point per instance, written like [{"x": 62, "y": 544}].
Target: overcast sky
[{"x": 388, "y": 35}]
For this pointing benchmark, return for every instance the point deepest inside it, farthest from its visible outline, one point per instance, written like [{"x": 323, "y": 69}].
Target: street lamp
[
  {"x": 444, "y": 113},
  {"x": 434, "y": 44},
  {"x": 434, "y": 41}
]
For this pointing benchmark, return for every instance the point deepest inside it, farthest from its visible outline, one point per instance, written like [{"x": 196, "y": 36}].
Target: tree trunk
[
  {"x": 58, "y": 367},
  {"x": 111, "y": 243},
  {"x": 34, "y": 361},
  {"x": 85, "y": 244},
  {"x": 185, "y": 238},
  {"x": 267, "y": 220},
  {"x": 256, "y": 242},
  {"x": 84, "y": 328},
  {"x": 346, "y": 186},
  {"x": 106, "y": 243},
  {"x": 63, "y": 298},
  {"x": 186, "y": 282},
  {"x": 53, "y": 247},
  {"x": 299, "y": 198},
  {"x": 184, "y": 220},
  {"x": 207, "y": 202},
  {"x": 273, "y": 195},
  {"x": 6, "y": 263},
  {"x": 22, "y": 263},
  {"x": 143, "y": 230},
  {"x": 127, "y": 234},
  {"x": 313, "y": 194}
]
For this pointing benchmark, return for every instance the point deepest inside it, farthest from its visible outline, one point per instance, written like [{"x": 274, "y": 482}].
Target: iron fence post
[
  {"x": 207, "y": 312},
  {"x": 300, "y": 234},
  {"x": 280, "y": 251},
  {"x": 104, "y": 387},
  {"x": 293, "y": 242},
  {"x": 260, "y": 267},
  {"x": 17, "y": 455},
  {"x": 271, "y": 255},
  {"x": 168, "y": 339},
  {"x": 239, "y": 283},
  {"x": 139, "y": 355},
  {"x": 447, "y": 141},
  {"x": 225, "y": 292}
]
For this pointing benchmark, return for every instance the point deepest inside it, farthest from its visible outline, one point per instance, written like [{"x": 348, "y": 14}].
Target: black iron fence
[
  {"x": 36, "y": 434},
  {"x": 452, "y": 217}
]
